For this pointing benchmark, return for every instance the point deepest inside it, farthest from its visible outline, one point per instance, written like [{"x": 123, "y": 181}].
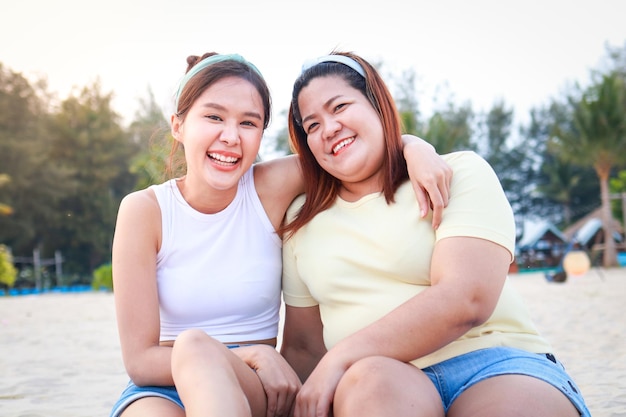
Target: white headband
[
  {"x": 207, "y": 62},
  {"x": 342, "y": 59}
]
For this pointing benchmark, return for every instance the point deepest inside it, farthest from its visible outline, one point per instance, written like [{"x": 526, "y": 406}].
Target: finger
[
  {"x": 448, "y": 186},
  {"x": 305, "y": 409},
  {"x": 323, "y": 407},
  {"x": 437, "y": 206},
  {"x": 292, "y": 407},
  {"x": 271, "y": 405},
  {"x": 284, "y": 402},
  {"x": 422, "y": 199},
  {"x": 444, "y": 193}
]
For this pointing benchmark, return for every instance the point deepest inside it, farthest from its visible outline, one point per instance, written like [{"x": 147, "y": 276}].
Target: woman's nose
[
  {"x": 230, "y": 135},
  {"x": 331, "y": 127}
]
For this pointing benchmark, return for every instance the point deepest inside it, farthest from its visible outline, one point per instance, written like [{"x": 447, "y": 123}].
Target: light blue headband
[
  {"x": 342, "y": 59},
  {"x": 213, "y": 59}
]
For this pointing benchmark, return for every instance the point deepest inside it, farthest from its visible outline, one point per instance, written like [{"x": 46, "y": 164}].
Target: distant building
[
  {"x": 541, "y": 245},
  {"x": 589, "y": 234}
]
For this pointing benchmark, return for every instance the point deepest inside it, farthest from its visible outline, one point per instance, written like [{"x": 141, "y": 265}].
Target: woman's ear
[{"x": 176, "y": 127}]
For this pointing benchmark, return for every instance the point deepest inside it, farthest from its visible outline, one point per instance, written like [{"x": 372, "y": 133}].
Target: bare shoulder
[
  {"x": 279, "y": 178},
  {"x": 277, "y": 183},
  {"x": 142, "y": 200},
  {"x": 273, "y": 175},
  {"x": 139, "y": 209},
  {"x": 138, "y": 226}
]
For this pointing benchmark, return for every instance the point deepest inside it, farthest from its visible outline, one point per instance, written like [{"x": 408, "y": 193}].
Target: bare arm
[
  {"x": 279, "y": 180},
  {"x": 135, "y": 245},
  {"x": 303, "y": 342},
  {"x": 430, "y": 175},
  {"x": 463, "y": 295}
]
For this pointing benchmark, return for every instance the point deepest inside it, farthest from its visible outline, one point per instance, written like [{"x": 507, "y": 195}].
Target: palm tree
[
  {"x": 561, "y": 180},
  {"x": 596, "y": 136}
]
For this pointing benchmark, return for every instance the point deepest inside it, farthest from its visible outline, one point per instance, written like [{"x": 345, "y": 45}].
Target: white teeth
[
  {"x": 342, "y": 144},
  {"x": 222, "y": 158}
]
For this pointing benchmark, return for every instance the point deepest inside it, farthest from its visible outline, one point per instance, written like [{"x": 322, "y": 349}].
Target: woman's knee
[
  {"x": 385, "y": 386},
  {"x": 369, "y": 375},
  {"x": 193, "y": 338},
  {"x": 193, "y": 343}
]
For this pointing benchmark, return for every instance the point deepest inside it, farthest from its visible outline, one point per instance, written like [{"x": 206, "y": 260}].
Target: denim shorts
[
  {"x": 133, "y": 393},
  {"x": 453, "y": 376}
]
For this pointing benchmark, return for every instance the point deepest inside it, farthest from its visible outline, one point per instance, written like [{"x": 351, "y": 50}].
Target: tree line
[{"x": 66, "y": 164}]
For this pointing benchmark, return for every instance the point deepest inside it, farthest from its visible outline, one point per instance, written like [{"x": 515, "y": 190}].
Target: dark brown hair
[{"x": 321, "y": 188}]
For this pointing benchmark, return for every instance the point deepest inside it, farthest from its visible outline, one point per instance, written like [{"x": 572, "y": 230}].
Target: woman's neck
[{"x": 205, "y": 199}]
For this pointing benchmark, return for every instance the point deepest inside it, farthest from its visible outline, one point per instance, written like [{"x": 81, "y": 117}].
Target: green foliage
[
  {"x": 450, "y": 129},
  {"x": 150, "y": 132},
  {"x": 35, "y": 181},
  {"x": 8, "y": 273},
  {"x": 279, "y": 143},
  {"x": 69, "y": 168},
  {"x": 103, "y": 277},
  {"x": 87, "y": 140},
  {"x": 570, "y": 186},
  {"x": 509, "y": 161},
  {"x": 71, "y": 161},
  {"x": 595, "y": 136},
  {"x": 407, "y": 103}
]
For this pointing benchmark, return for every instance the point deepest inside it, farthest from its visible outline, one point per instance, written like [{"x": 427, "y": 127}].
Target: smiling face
[
  {"x": 221, "y": 133},
  {"x": 344, "y": 133}
]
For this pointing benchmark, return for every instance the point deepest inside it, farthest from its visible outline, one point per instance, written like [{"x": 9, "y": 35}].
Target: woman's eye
[
  {"x": 311, "y": 127},
  {"x": 339, "y": 106},
  {"x": 213, "y": 117},
  {"x": 249, "y": 123}
]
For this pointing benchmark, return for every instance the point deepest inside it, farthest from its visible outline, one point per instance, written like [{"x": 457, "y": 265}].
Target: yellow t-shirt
[{"x": 359, "y": 260}]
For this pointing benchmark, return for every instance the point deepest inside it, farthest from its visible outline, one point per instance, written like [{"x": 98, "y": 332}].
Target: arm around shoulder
[
  {"x": 278, "y": 182},
  {"x": 430, "y": 176}
]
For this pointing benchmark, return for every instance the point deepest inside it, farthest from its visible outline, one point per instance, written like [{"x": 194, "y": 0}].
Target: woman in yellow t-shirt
[{"x": 386, "y": 316}]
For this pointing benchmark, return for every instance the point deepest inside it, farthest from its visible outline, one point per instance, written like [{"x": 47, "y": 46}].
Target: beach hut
[
  {"x": 589, "y": 234},
  {"x": 541, "y": 245}
]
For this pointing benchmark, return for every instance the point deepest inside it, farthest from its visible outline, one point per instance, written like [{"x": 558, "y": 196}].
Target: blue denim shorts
[
  {"x": 133, "y": 393},
  {"x": 453, "y": 376}
]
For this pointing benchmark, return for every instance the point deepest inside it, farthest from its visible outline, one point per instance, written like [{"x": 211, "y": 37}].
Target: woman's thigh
[
  {"x": 148, "y": 400},
  {"x": 513, "y": 378},
  {"x": 207, "y": 373},
  {"x": 153, "y": 407},
  {"x": 512, "y": 395}
]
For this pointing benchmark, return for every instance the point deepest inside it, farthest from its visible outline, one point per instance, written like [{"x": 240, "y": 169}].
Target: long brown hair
[{"x": 320, "y": 187}]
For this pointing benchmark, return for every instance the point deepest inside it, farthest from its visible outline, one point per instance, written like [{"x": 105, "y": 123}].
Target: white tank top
[{"x": 218, "y": 272}]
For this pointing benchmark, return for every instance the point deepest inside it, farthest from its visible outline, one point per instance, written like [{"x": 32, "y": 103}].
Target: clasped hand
[{"x": 280, "y": 382}]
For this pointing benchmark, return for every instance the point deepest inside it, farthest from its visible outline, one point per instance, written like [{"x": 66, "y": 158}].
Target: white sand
[{"x": 60, "y": 354}]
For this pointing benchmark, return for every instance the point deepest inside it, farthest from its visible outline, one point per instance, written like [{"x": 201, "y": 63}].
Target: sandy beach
[{"x": 60, "y": 354}]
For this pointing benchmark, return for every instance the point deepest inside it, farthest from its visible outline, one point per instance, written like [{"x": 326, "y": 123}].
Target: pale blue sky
[{"x": 522, "y": 51}]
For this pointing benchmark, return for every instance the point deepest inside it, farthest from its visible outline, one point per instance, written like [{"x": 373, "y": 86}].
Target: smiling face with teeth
[
  {"x": 344, "y": 133},
  {"x": 221, "y": 134}
]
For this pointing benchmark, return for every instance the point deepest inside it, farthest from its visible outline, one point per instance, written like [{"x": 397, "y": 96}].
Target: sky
[{"x": 481, "y": 51}]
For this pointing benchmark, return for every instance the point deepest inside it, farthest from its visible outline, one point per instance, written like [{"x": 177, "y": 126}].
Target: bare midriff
[{"x": 271, "y": 342}]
